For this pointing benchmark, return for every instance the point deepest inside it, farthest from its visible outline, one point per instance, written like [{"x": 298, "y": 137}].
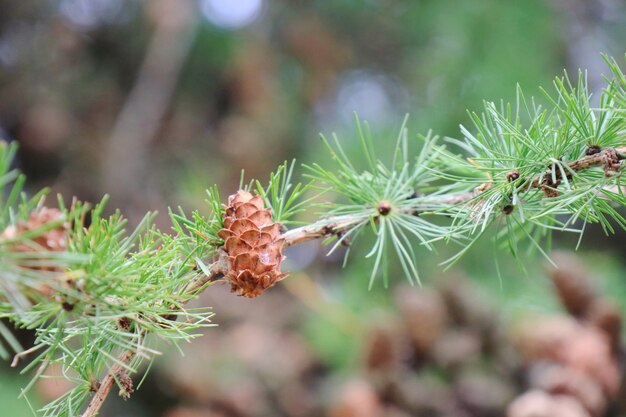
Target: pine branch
[
  {"x": 104, "y": 387},
  {"x": 94, "y": 294},
  {"x": 337, "y": 226},
  {"x": 608, "y": 158},
  {"x": 120, "y": 368}
]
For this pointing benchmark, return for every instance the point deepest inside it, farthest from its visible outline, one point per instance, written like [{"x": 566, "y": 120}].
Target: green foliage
[
  {"x": 200, "y": 231},
  {"x": 527, "y": 171},
  {"x": 538, "y": 145},
  {"x": 100, "y": 298},
  {"x": 284, "y": 198},
  {"x": 387, "y": 198},
  {"x": 520, "y": 177},
  {"x": 20, "y": 284}
]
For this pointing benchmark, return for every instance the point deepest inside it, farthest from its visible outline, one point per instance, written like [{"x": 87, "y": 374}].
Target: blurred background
[{"x": 152, "y": 102}]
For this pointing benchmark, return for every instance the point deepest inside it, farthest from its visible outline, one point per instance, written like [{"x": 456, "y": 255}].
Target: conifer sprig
[
  {"x": 105, "y": 294},
  {"x": 97, "y": 303},
  {"x": 284, "y": 198},
  {"x": 395, "y": 200},
  {"x": 540, "y": 167}
]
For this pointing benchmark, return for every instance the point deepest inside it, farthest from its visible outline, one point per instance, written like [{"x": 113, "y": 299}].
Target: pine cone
[
  {"x": 51, "y": 240},
  {"x": 573, "y": 285},
  {"x": 253, "y": 244}
]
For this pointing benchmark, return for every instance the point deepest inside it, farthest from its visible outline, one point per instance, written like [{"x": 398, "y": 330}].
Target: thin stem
[
  {"x": 336, "y": 226},
  {"x": 319, "y": 230},
  {"x": 107, "y": 383},
  {"x": 606, "y": 157}
]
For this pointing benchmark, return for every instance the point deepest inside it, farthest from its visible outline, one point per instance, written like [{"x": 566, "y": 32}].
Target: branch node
[
  {"x": 512, "y": 176},
  {"x": 126, "y": 385},
  {"x": 592, "y": 150},
  {"x": 384, "y": 208},
  {"x": 94, "y": 386},
  {"x": 329, "y": 229},
  {"x": 549, "y": 188},
  {"x": 124, "y": 323},
  {"x": 611, "y": 162}
]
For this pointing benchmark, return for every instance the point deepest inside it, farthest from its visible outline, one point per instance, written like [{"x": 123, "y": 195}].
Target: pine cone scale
[
  {"x": 241, "y": 225},
  {"x": 234, "y": 245},
  {"x": 256, "y": 238},
  {"x": 273, "y": 229},
  {"x": 225, "y": 234},
  {"x": 245, "y": 210},
  {"x": 262, "y": 217}
]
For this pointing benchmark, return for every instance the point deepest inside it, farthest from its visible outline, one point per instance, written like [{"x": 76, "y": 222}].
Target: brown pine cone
[
  {"x": 51, "y": 240},
  {"x": 253, "y": 244},
  {"x": 573, "y": 285}
]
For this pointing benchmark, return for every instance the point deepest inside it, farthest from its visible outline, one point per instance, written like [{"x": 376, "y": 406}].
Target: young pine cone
[{"x": 253, "y": 244}]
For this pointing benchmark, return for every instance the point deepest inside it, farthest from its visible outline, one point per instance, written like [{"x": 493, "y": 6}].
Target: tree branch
[
  {"x": 106, "y": 384},
  {"x": 609, "y": 158},
  {"x": 104, "y": 387}
]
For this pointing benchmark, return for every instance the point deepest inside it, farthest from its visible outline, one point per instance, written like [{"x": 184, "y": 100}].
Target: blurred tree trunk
[{"x": 126, "y": 166}]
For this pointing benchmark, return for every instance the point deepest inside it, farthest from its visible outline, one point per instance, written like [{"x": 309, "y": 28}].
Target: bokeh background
[{"x": 153, "y": 101}]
